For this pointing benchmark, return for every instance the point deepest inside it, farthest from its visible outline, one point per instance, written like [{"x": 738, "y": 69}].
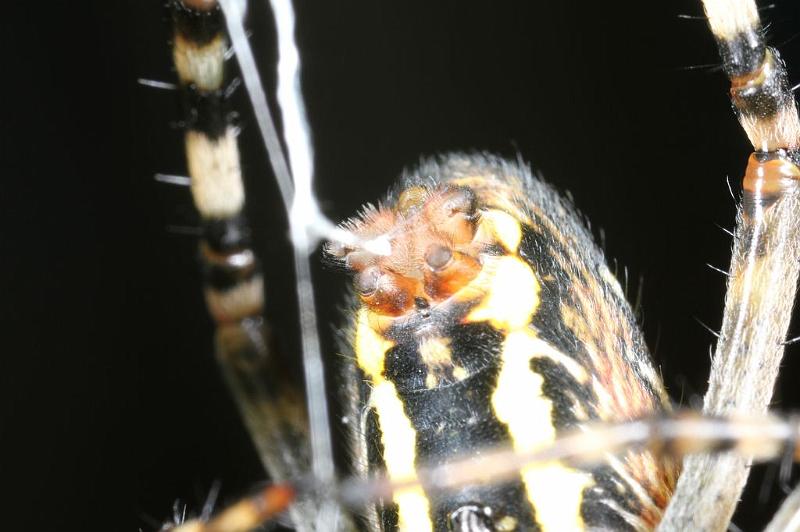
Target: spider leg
[
  {"x": 272, "y": 407},
  {"x": 763, "y": 437},
  {"x": 764, "y": 265},
  {"x": 246, "y": 514},
  {"x": 787, "y": 518}
]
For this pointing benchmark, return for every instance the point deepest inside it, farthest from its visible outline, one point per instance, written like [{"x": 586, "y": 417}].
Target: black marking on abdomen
[
  {"x": 404, "y": 367},
  {"x": 455, "y": 418},
  {"x": 388, "y": 512},
  {"x": 608, "y": 486},
  {"x": 475, "y": 346},
  {"x": 540, "y": 250},
  {"x": 564, "y": 391},
  {"x": 458, "y": 420}
]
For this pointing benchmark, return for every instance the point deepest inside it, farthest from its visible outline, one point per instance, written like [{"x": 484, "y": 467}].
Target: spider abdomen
[{"x": 494, "y": 321}]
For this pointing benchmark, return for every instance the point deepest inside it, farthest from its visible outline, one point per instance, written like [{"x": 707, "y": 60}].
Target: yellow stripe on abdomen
[
  {"x": 554, "y": 490},
  {"x": 398, "y": 437},
  {"x": 512, "y": 299},
  {"x": 399, "y": 441}
]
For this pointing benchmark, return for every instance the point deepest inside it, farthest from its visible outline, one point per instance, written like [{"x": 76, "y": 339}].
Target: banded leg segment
[
  {"x": 763, "y": 437},
  {"x": 760, "y": 92},
  {"x": 764, "y": 265},
  {"x": 272, "y": 409}
]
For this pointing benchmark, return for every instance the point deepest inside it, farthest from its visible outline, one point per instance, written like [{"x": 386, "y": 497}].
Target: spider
[{"x": 622, "y": 159}]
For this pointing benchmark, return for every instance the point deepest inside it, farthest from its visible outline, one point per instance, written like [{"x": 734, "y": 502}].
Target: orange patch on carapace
[{"x": 433, "y": 254}]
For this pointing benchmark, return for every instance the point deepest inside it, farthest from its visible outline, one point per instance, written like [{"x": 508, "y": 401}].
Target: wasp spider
[{"x": 485, "y": 324}]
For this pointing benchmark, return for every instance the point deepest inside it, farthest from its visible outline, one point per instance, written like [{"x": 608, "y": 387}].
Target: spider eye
[
  {"x": 455, "y": 214},
  {"x": 461, "y": 200},
  {"x": 448, "y": 271},
  {"x": 384, "y": 292},
  {"x": 412, "y": 199},
  {"x": 366, "y": 282},
  {"x": 438, "y": 256}
]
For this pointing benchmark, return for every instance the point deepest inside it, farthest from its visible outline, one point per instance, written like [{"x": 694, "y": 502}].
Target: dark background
[{"x": 110, "y": 403}]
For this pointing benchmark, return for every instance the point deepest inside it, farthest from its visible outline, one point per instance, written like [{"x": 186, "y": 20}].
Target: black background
[{"x": 110, "y": 403}]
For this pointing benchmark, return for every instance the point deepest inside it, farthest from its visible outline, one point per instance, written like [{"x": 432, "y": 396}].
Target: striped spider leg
[
  {"x": 271, "y": 407},
  {"x": 756, "y": 255},
  {"x": 764, "y": 268}
]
